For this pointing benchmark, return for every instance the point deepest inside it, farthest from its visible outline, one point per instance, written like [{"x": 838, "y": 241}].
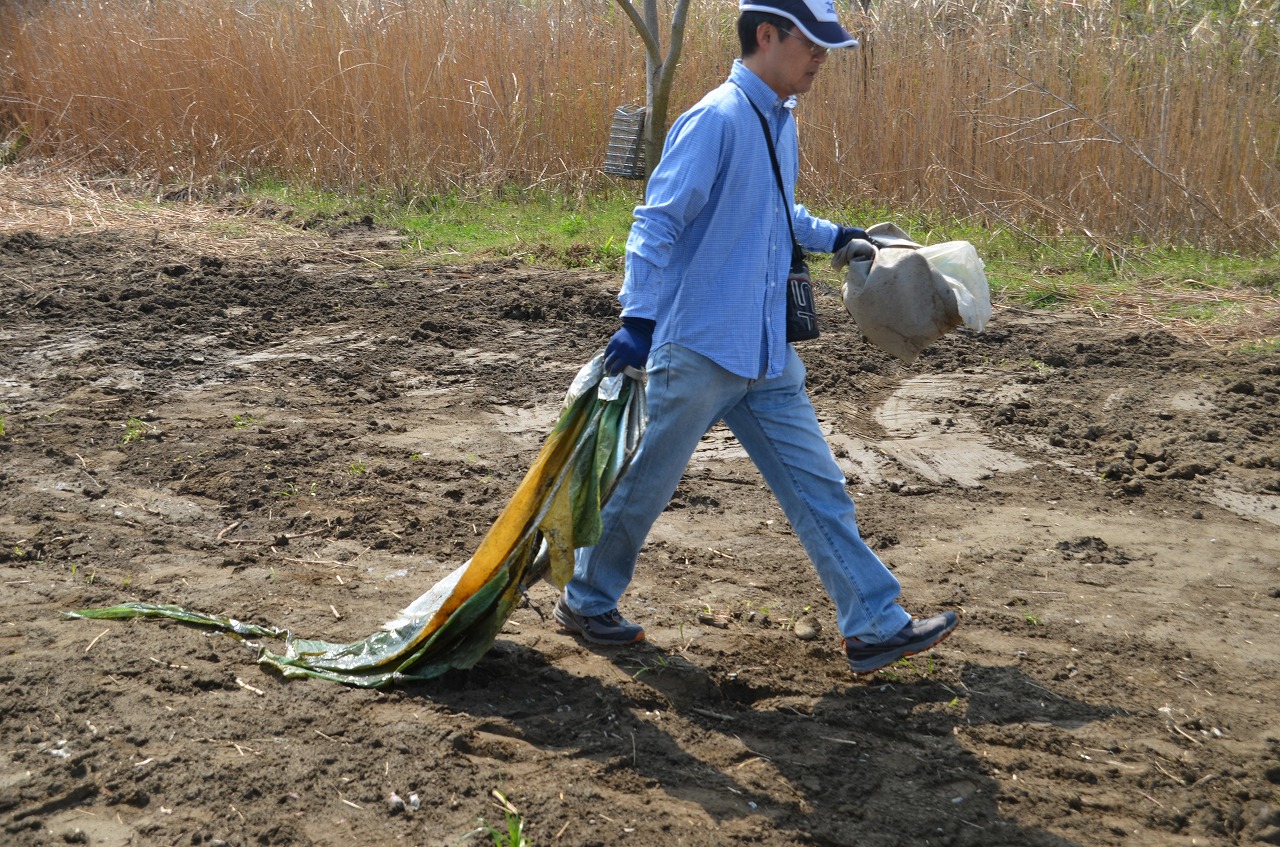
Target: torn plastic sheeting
[{"x": 555, "y": 509}]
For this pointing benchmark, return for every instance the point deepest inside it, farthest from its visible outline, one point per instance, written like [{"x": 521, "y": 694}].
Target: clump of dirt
[{"x": 310, "y": 438}]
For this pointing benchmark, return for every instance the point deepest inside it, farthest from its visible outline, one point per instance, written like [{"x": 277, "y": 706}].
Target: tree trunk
[{"x": 660, "y": 70}]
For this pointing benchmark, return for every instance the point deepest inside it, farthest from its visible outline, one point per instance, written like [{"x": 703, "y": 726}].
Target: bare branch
[{"x": 651, "y": 45}]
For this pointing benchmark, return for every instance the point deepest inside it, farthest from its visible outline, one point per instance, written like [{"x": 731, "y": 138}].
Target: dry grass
[
  {"x": 1239, "y": 317},
  {"x": 55, "y": 204},
  {"x": 1121, "y": 122}
]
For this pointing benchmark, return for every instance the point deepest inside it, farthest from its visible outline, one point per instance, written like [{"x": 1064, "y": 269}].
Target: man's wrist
[
  {"x": 645, "y": 325},
  {"x": 845, "y": 234}
]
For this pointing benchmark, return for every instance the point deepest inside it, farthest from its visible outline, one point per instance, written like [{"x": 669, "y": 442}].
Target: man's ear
[{"x": 762, "y": 34}]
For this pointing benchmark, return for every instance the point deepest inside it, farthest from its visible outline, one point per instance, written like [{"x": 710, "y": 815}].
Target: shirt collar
[{"x": 757, "y": 90}]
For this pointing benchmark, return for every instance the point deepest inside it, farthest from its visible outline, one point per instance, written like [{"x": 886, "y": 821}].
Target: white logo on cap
[{"x": 829, "y": 14}]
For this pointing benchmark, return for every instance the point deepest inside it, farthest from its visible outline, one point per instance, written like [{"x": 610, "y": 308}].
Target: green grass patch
[
  {"x": 134, "y": 430},
  {"x": 1266, "y": 347},
  {"x": 544, "y": 228},
  {"x": 540, "y": 226},
  {"x": 1028, "y": 269}
]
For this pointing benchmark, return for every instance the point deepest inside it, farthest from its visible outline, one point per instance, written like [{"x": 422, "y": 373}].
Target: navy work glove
[
  {"x": 629, "y": 346},
  {"x": 847, "y": 234},
  {"x": 852, "y": 245}
]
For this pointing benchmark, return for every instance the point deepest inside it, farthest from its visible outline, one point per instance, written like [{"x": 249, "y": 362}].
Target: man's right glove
[{"x": 629, "y": 346}]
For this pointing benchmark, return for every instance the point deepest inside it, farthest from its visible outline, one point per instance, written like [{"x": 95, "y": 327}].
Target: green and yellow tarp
[{"x": 555, "y": 509}]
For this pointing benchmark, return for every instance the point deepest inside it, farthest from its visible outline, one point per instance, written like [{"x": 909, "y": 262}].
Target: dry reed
[{"x": 1158, "y": 123}]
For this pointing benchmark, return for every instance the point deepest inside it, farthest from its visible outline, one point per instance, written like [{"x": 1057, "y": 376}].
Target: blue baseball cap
[{"x": 816, "y": 19}]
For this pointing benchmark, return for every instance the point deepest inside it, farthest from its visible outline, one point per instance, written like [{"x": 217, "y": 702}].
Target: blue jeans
[{"x": 775, "y": 423}]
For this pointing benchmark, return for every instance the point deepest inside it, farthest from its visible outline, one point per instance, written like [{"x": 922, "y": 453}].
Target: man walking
[{"x": 704, "y": 308}]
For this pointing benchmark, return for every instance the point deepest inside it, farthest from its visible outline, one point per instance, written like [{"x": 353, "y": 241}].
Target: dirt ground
[{"x": 308, "y": 430}]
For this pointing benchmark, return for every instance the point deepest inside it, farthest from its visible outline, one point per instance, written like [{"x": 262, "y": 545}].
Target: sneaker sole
[
  {"x": 890, "y": 658},
  {"x": 574, "y": 629}
]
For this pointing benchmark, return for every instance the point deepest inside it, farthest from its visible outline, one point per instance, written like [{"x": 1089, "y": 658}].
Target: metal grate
[{"x": 624, "y": 156}]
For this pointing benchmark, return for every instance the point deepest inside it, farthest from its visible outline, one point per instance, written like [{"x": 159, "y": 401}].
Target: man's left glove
[
  {"x": 629, "y": 346},
  {"x": 852, "y": 245}
]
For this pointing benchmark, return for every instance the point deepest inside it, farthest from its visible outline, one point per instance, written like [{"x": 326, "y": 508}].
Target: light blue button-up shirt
[{"x": 709, "y": 252}]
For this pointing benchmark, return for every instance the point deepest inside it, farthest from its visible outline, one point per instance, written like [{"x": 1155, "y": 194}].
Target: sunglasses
[{"x": 815, "y": 50}]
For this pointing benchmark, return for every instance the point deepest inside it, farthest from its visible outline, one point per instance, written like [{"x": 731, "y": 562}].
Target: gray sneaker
[
  {"x": 609, "y": 628},
  {"x": 917, "y": 636}
]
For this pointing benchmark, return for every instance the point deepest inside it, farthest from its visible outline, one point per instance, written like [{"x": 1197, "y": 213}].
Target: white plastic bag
[{"x": 962, "y": 268}]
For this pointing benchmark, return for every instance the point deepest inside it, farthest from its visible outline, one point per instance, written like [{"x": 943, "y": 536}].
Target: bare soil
[{"x": 309, "y": 430}]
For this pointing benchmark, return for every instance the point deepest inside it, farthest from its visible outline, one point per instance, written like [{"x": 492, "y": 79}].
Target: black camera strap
[{"x": 797, "y": 254}]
